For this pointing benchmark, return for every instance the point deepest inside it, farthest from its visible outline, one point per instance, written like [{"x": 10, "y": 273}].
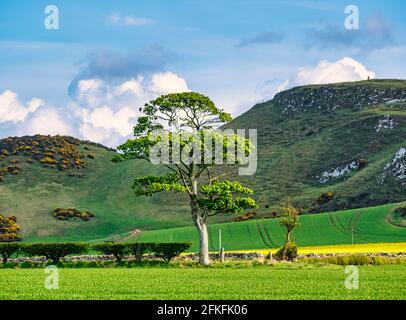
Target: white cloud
[
  {"x": 33, "y": 117},
  {"x": 108, "y": 111},
  {"x": 121, "y": 121},
  {"x": 343, "y": 70},
  {"x": 133, "y": 86},
  {"x": 136, "y": 21},
  {"x": 47, "y": 120},
  {"x": 325, "y": 72},
  {"x": 12, "y": 110},
  {"x": 129, "y": 20},
  {"x": 167, "y": 82},
  {"x": 90, "y": 90}
]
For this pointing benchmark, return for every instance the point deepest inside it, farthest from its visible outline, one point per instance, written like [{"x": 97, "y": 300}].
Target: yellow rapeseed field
[{"x": 344, "y": 248}]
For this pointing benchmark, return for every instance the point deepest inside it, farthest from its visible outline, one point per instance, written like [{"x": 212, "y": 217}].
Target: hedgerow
[
  {"x": 54, "y": 251},
  {"x": 118, "y": 250},
  {"x": 8, "y": 249}
]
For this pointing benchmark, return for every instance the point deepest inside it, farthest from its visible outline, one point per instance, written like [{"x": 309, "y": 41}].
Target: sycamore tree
[{"x": 180, "y": 131}]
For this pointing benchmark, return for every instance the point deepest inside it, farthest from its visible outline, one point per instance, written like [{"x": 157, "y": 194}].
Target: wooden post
[
  {"x": 222, "y": 254},
  {"x": 219, "y": 239}
]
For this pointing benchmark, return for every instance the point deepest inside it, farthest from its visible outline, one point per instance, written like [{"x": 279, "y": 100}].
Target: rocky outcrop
[{"x": 333, "y": 97}]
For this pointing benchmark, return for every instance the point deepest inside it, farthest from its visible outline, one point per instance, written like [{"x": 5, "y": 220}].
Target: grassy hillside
[
  {"x": 370, "y": 225},
  {"x": 344, "y": 138},
  {"x": 101, "y": 187}
]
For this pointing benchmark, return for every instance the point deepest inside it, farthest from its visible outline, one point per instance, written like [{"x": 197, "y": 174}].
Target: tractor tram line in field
[{"x": 358, "y": 226}]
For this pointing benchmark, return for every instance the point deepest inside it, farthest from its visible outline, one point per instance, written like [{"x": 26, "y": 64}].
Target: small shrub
[
  {"x": 8, "y": 249},
  {"x": 72, "y": 213},
  {"x": 9, "y": 229},
  {"x": 168, "y": 251},
  {"x": 118, "y": 250},
  {"x": 362, "y": 163},
  {"x": 48, "y": 161},
  {"x": 245, "y": 217},
  {"x": 54, "y": 251},
  {"x": 287, "y": 252},
  {"x": 325, "y": 197}
]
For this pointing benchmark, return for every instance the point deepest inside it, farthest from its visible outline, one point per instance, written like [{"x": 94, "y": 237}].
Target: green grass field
[
  {"x": 277, "y": 282},
  {"x": 370, "y": 225}
]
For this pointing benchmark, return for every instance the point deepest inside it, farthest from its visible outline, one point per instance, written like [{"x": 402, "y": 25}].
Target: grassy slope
[
  {"x": 277, "y": 282},
  {"x": 103, "y": 189},
  {"x": 293, "y": 149},
  {"x": 370, "y": 226}
]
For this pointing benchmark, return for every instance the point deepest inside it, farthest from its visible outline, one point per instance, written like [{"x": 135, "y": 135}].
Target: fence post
[{"x": 222, "y": 254}]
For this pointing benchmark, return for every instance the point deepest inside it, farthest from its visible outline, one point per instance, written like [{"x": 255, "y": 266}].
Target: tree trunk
[{"x": 200, "y": 224}]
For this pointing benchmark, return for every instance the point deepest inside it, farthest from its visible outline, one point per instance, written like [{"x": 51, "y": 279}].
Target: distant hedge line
[{"x": 56, "y": 251}]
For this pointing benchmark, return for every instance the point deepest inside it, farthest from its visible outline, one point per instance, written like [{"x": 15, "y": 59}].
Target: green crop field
[
  {"x": 369, "y": 225},
  {"x": 277, "y": 282}
]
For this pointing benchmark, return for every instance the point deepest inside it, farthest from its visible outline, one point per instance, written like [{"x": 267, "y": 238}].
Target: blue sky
[{"x": 107, "y": 57}]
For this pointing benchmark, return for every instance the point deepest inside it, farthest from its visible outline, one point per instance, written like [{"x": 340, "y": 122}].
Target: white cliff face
[
  {"x": 396, "y": 167},
  {"x": 331, "y": 98},
  {"x": 337, "y": 172},
  {"x": 386, "y": 122},
  {"x": 394, "y": 101}
]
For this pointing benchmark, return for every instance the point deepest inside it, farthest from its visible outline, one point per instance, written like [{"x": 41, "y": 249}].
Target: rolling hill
[
  {"x": 99, "y": 186},
  {"x": 347, "y": 140}
]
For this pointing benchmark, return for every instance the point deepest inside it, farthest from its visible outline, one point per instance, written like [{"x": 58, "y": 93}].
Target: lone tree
[
  {"x": 185, "y": 123},
  {"x": 290, "y": 221}
]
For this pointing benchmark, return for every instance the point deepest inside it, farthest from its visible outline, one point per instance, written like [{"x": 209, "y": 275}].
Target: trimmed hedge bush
[
  {"x": 138, "y": 250},
  {"x": 118, "y": 250},
  {"x": 167, "y": 251},
  {"x": 8, "y": 249},
  {"x": 54, "y": 251}
]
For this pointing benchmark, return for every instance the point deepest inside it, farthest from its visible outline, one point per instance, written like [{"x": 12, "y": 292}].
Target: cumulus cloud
[
  {"x": 47, "y": 120},
  {"x": 343, "y": 70},
  {"x": 263, "y": 38},
  {"x": 375, "y": 32},
  {"x": 33, "y": 117},
  {"x": 13, "y": 110},
  {"x": 108, "y": 110},
  {"x": 167, "y": 82}
]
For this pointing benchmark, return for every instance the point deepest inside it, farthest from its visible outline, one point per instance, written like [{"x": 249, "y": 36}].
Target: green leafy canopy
[{"x": 188, "y": 122}]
